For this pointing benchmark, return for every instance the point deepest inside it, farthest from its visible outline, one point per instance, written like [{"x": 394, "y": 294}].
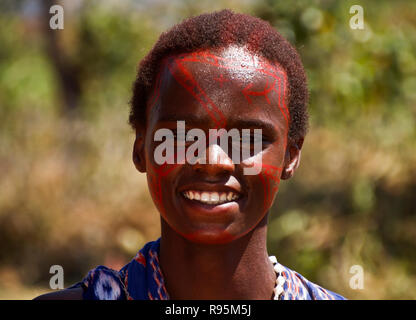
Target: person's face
[{"x": 231, "y": 89}]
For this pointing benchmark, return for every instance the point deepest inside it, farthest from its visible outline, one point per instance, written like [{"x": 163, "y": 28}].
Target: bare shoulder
[{"x": 65, "y": 294}]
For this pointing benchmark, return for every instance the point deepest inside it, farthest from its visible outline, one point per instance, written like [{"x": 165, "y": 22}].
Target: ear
[
  {"x": 139, "y": 158},
  {"x": 292, "y": 157}
]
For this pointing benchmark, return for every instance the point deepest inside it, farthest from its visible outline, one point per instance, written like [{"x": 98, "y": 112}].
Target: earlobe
[
  {"x": 139, "y": 159},
  {"x": 292, "y": 159}
]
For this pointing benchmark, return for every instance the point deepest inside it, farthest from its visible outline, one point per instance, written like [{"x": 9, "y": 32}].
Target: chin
[{"x": 212, "y": 237}]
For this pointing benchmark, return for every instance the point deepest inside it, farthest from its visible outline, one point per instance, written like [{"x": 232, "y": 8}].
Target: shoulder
[
  {"x": 297, "y": 287},
  {"x": 66, "y": 294},
  {"x": 101, "y": 283},
  {"x": 136, "y": 280}
]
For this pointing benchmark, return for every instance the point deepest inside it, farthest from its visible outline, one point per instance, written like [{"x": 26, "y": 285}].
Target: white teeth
[
  {"x": 210, "y": 197},
  {"x": 223, "y": 197},
  {"x": 214, "y": 196},
  {"x": 205, "y": 197}
]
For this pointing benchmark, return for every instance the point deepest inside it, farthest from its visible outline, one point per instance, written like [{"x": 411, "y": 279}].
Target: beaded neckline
[{"x": 280, "y": 280}]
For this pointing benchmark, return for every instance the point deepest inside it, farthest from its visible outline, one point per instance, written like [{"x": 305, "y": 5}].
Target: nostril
[{"x": 213, "y": 170}]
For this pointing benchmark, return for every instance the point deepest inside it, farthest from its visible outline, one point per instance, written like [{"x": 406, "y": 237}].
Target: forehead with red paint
[{"x": 222, "y": 88}]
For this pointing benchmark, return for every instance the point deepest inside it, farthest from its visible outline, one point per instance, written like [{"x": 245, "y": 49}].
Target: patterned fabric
[
  {"x": 142, "y": 279},
  {"x": 297, "y": 287}
]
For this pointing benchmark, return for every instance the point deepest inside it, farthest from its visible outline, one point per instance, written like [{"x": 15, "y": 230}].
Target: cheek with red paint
[
  {"x": 154, "y": 182},
  {"x": 270, "y": 179},
  {"x": 158, "y": 178}
]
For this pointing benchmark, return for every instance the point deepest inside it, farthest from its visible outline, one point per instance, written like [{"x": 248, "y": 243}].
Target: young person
[{"x": 213, "y": 76}]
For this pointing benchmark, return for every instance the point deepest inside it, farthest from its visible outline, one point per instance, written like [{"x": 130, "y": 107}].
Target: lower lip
[{"x": 212, "y": 209}]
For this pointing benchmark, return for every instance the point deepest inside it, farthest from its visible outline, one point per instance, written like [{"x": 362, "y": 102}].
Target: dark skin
[{"x": 211, "y": 251}]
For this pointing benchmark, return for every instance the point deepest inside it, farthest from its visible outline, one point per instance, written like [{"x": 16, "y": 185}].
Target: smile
[{"x": 211, "y": 197}]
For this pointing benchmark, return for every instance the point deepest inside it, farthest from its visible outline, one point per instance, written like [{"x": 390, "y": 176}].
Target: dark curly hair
[{"x": 218, "y": 30}]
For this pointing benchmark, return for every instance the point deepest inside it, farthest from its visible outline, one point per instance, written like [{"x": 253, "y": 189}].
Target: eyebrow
[
  {"x": 190, "y": 118},
  {"x": 255, "y": 123},
  {"x": 196, "y": 121}
]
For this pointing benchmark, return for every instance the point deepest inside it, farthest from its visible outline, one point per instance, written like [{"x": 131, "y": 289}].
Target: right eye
[{"x": 182, "y": 140}]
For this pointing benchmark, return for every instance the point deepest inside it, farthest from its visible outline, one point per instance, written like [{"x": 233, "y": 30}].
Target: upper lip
[{"x": 204, "y": 186}]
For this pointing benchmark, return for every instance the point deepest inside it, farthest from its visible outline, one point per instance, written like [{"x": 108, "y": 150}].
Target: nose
[{"x": 217, "y": 162}]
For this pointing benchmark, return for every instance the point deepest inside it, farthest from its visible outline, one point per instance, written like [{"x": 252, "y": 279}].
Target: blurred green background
[{"x": 70, "y": 195}]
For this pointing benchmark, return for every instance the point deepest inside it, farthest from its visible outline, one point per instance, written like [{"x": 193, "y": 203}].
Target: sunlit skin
[{"x": 218, "y": 251}]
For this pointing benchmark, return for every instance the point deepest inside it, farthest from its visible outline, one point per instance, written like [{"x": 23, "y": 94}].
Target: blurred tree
[{"x": 67, "y": 71}]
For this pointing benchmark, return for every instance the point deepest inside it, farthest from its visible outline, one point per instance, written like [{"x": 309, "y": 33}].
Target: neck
[{"x": 240, "y": 269}]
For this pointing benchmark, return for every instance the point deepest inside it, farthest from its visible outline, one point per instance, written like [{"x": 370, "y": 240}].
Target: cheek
[
  {"x": 268, "y": 168},
  {"x": 154, "y": 181},
  {"x": 270, "y": 179},
  {"x": 158, "y": 177}
]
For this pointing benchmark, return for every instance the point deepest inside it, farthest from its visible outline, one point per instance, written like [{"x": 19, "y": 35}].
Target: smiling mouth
[{"x": 211, "y": 197}]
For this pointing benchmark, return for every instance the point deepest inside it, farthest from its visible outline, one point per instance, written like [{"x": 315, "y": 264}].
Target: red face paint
[
  {"x": 221, "y": 79},
  {"x": 270, "y": 177},
  {"x": 186, "y": 79},
  {"x": 221, "y": 90}
]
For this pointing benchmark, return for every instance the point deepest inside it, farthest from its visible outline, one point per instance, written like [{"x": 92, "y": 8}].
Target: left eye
[
  {"x": 181, "y": 141},
  {"x": 249, "y": 140},
  {"x": 250, "y": 144}
]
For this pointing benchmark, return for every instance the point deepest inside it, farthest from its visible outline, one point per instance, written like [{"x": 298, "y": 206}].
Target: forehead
[{"x": 219, "y": 87}]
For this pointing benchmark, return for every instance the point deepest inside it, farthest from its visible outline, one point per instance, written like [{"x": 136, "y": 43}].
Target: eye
[
  {"x": 248, "y": 140},
  {"x": 180, "y": 139},
  {"x": 251, "y": 143}
]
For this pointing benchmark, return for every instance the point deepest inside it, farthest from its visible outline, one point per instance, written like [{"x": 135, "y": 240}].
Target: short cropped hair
[{"x": 219, "y": 30}]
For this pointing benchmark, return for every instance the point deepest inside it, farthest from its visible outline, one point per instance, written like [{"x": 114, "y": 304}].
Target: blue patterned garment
[{"x": 142, "y": 279}]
